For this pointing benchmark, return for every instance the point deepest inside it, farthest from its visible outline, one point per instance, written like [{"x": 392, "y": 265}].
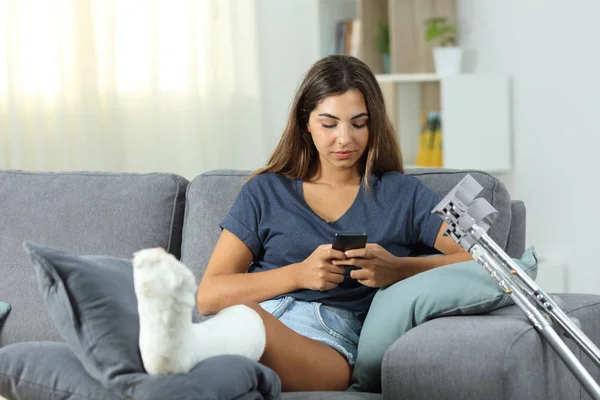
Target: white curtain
[{"x": 129, "y": 85}]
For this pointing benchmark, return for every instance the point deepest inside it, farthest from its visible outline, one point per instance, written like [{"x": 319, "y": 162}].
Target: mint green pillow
[
  {"x": 4, "y": 309},
  {"x": 456, "y": 289}
]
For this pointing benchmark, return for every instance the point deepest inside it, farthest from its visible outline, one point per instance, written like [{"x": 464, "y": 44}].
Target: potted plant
[
  {"x": 447, "y": 56},
  {"x": 383, "y": 45}
]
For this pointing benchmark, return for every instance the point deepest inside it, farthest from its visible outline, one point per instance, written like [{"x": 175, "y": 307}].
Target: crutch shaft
[
  {"x": 468, "y": 219},
  {"x": 544, "y": 301},
  {"x": 537, "y": 319},
  {"x": 561, "y": 349}
]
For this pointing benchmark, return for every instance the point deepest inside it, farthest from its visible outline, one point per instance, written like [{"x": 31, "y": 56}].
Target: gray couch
[{"x": 494, "y": 356}]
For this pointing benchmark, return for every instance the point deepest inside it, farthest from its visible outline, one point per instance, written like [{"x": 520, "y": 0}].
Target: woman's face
[{"x": 338, "y": 126}]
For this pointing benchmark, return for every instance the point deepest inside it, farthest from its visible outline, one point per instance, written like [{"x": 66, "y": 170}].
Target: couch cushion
[
  {"x": 517, "y": 233},
  {"x": 43, "y": 370},
  {"x": 463, "y": 288},
  {"x": 494, "y": 356},
  {"x": 82, "y": 212},
  {"x": 494, "y": 191},
  {"x": 92, "y": 301},
  {"x": 46, "y": 370},
  {"x": 211, "y": 195}
]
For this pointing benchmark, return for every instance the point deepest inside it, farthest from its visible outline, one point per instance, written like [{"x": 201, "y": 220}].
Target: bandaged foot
[{"x": 169, "y": 341}]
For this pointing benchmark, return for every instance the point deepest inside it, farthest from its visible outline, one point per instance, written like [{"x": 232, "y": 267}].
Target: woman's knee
[
  {"x": 264, "y": 315},
  {"x": 255, "y": 306}
]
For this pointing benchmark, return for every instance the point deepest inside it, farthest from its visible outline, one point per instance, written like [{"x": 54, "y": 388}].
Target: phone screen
[{"x": 348, "y": 241}]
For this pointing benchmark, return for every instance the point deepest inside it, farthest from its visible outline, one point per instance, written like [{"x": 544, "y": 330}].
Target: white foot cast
[{"x": 169, "y": 341}]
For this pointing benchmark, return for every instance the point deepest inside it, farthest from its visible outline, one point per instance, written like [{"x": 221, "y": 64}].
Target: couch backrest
[
  {"x": 211, "y": 194},
  {"x": 84, "y": 213}
]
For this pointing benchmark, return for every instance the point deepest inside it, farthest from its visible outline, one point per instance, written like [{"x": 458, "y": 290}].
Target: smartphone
[{"x": 348, "y": 241}]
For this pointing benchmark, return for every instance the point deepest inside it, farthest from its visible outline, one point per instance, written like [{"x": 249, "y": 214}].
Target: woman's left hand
[{"x": 378, "y": 267}]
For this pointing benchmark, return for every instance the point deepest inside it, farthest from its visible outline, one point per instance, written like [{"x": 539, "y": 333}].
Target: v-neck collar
[{"x": 354, "y": 204}]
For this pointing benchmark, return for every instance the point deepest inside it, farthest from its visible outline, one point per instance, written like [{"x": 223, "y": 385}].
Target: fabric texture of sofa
[{"x": 498, "y": 355}]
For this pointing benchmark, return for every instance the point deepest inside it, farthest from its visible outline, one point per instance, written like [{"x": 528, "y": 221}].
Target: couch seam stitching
[
  {"x": 173, "y": 214},
  {"x": 462, "y": 171},
  {"x": 186, "y": 211},
  {"x": 82, "y": 173},
  {"x": 511, "y": 345},
  {"x": 213, "y": 173},
  {"x": 583, "y": 307}
]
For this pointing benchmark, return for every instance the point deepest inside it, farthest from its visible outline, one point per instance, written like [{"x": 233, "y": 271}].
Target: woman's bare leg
[{"x": 302, "y": 364}]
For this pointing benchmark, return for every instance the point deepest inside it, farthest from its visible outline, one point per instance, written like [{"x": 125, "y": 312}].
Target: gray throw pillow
[
  {"x": 91, "y": 300},
  {"x": 47, "y": 370},
  {"x": 458, "y": 289}
]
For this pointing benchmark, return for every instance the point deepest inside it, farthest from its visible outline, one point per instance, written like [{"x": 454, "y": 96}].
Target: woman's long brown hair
[{"x": 296, "y": 156}]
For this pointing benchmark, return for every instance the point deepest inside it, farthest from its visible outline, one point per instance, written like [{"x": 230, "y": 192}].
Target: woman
[{"x": 337, "y": 168}]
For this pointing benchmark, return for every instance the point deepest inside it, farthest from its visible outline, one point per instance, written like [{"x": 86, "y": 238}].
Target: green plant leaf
[
  {"x": 435, "y": 20},
  {"x": 437, "y": 28},
  {"x": 383, "y": 37},
  {"x": 431, "y": 33}
]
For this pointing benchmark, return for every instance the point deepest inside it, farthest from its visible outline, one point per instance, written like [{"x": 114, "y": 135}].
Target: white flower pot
[{"x": 447, "y": 60}]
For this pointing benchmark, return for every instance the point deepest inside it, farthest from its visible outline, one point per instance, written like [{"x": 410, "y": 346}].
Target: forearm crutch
[{"x": 468, "y": 221}]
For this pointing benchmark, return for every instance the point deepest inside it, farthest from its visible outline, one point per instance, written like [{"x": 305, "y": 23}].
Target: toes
[{"x": 150, "y": 255}]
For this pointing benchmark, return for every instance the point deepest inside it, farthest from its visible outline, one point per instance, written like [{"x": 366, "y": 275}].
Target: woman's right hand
[{"x": 317, "y": 272}]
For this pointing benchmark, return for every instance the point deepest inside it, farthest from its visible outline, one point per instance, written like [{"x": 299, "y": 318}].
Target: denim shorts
[{"x": 333, "y": 326}]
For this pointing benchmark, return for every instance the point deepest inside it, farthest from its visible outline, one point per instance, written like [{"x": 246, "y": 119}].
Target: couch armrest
[
  {"x": 493, "y": 356},
  {"x": 515, "y": 245}
]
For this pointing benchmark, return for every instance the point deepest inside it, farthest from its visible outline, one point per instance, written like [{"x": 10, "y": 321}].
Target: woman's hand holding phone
[
  {"x": 377, "y": 266},
  {"x": 317, "y": 272},
  {"x": 371, "y": 264}
]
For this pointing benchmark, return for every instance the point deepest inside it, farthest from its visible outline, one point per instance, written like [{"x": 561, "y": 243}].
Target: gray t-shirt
[{"x": 271, "y": 217}]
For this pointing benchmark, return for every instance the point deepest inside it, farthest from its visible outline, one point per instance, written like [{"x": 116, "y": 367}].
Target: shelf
[
  {"x": 408, "y": 77},
  {"x": 413, "y": 166},
  {"x": 476, "y": 108},
  {"x": 475, "y": 111}
]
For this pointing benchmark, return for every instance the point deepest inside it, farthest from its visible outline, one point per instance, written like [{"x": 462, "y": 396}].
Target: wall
[
  {"x": 549, "y": 49},
  {"x": 288, "y": 46}
]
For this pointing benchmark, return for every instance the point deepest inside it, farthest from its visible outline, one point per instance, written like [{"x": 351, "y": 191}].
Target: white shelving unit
[
  {"x": 475, "y": 112},
  {"x": 400, "y": 78},
  {"x": 329, "y": 13},
  {"x": 475, "y": 108}
]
